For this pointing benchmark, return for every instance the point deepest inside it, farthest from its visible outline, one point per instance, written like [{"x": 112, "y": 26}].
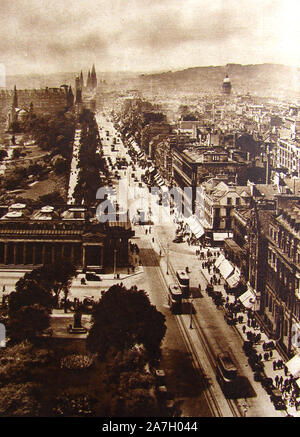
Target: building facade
[{"x": 29, "y": 240}]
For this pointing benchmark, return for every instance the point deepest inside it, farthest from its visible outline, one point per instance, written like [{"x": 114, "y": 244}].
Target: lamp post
[
  {"x": 167, "y": 259},
  {"x": 115, "y": 259},
  {"x": 191, "y": 313}
]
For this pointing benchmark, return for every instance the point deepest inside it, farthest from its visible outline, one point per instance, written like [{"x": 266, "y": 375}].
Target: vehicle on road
[
  {"x": 184, "y": 282},
  {"x": 92, "y": 277},
  {"x": 226, "y": 372},
  {"x": 276, "y": 398},
  {"x": 175, "y": 299},
  {"x": 230, "y": 320}
]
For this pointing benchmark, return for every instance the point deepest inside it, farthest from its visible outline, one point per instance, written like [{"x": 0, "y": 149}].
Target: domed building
[{"x": 226, "y": 86}]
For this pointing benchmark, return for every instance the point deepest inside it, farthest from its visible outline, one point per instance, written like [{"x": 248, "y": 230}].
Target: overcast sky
[{"x": 146, "y": 35}]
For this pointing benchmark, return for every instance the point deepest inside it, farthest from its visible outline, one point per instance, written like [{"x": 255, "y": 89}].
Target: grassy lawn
[{"x": 47, "y": 186}]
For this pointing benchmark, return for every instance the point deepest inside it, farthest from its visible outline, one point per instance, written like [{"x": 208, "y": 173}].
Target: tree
[
  {"x": 3, "y": 154},
  {"x": 54, "y": 277},
  {"x": 135, "y": 402},
  {"x": 124, "y": 318},
  {"x": 29, "y": 292},
  {"x": 20, "y": 400},
  {"x": 130, "y": 385},
  {"x": 28, "y": 322},
  {"x": 60, "y": 164}
]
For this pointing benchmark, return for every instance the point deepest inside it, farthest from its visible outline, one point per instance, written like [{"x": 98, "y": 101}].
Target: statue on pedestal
[{"x": 77, "y": 319}]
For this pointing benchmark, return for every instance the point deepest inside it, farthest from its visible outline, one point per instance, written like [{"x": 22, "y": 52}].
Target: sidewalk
[
  {"x": 260, "y": 404},
  {"x": 248, "y": 326}
]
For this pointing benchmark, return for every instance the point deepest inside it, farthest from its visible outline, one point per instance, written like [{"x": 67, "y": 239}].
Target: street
[{"x": 189, "y": 354}]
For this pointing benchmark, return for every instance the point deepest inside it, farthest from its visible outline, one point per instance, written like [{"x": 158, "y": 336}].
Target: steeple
[
  {"x": 81, "y": 80},
  {"x": 78, "y": 90},
  {"x": 93, "y": 77},
  {"x": 70, "y": 97},
  {"x": 88, "y": 82},
  {"x": 15, "y": 98}
]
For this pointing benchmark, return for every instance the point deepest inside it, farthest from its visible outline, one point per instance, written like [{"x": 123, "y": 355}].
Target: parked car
[
  {"x": 230, "y": 320},
  {"x": 276, "y": 398},
  {"x": 92, "y": 277},
  {"x": 267, "y": 384}
]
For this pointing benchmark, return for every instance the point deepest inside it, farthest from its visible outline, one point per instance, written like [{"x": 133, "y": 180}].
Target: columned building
[{"x": 30, "y": 240}]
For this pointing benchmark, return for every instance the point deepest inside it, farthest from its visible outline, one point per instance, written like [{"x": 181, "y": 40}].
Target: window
[
  {"x": 229, "y": 200},
  {"x": 238, "y": 201}
]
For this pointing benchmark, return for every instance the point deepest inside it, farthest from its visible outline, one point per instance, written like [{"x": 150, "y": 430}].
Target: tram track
[
  {"x": 207, "y": 390},
  {"x": 209, "y": 397},
  {"x": 234, "y": 408}
]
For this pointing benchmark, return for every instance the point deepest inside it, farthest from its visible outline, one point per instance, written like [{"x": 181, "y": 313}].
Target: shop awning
[
  {"x": 221, "y": 236},
  {"x": 294, "y": 366},
  {"x": 195, "y": 226},
  {"x": 151, "y": 169},
  {"x": 219, "y": 260},
  {"x": 234, "y": 279},
  {"x": 247, "y": 299},
  {"x": 226, "y": 268}
]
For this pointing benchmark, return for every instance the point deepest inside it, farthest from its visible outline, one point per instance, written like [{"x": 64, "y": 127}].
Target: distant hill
[
  {"x": 262, "y": 79},
  {"x": 266, "y": 79}
]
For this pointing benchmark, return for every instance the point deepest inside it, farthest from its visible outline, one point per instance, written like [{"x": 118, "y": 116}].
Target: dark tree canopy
[
  {"x": 28, "y": 322},
  {"x": 124, "y": 318},
  {"x": 29, "y": 292},
  {"x": 54, "y": 276}
]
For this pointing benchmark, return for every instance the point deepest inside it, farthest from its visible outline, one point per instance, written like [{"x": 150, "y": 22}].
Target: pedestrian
[
  {"x": 266, "y": 356},
  {"x": 276, "y": 380},
  {"x": 199, "y": 286},
  {"x": 271, "y": 353},
  {"x": 281, "y": 381},
  {"x": 152, "y": 238},
  {"x": 244, "y": 329}
]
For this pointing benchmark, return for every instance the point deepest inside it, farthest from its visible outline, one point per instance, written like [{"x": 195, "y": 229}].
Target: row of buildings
[{"x": 242, "y": 170}]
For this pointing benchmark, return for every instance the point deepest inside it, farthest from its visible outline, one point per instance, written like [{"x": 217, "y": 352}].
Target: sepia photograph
[{"x": 149, "y": 211}]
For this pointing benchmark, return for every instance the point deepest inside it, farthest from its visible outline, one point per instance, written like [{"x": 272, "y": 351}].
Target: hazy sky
[{"x": 146, "y": 35}]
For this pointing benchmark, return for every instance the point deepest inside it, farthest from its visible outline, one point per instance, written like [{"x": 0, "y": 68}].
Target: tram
[
  {"x": 226, "y": 373},
  {"x": 184, "y": 282},
  {"x": 175, "y": 299}
]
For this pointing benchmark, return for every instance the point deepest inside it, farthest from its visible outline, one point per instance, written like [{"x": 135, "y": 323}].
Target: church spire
[
  {"x": 88, "y": 81},
  {"x": 70, "y": 97},
  {"x": 93, "y": 77}
]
